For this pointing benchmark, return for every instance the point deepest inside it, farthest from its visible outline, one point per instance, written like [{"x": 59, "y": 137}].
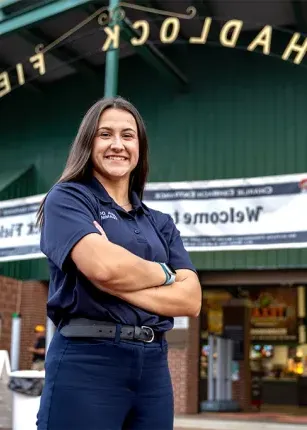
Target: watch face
[{"x": 171, "y": 269}]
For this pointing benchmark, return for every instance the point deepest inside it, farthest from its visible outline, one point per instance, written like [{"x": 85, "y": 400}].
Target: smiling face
[{"x": 116, "y": 145}]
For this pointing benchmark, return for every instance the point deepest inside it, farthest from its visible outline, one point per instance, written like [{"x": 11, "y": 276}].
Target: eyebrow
[{"x": 109, "y": 128}]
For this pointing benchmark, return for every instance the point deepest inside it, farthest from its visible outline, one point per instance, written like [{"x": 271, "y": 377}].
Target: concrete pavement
[
  {"x": 5, "y": 407},
  {"x": 215, "y": 424}
]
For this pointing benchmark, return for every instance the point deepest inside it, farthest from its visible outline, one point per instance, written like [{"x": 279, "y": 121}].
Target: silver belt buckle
[{"x": 152, "y": 333}]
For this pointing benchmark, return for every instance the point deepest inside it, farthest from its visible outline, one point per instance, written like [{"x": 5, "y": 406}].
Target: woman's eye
[{"x": 104, "y": 134}]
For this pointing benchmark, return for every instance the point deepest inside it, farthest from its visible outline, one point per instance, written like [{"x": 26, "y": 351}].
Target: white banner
[
  {"x": 19, "y": 236},
  {"x": 237, "y": 214}
]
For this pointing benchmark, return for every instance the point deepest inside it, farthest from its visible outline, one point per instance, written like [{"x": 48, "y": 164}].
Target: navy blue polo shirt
[{"x": 69, "y": 211}]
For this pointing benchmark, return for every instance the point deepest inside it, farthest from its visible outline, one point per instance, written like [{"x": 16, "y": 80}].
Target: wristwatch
[{"x": 169, "y": 273}]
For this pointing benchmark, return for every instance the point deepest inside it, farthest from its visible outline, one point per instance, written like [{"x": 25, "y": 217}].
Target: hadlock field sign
[
  {"x": 219, "y": 215},
  {"x": 169, "y": 31}
]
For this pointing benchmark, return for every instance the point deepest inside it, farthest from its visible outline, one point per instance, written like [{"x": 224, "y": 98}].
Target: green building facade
[{"x": 242, "y": 115}]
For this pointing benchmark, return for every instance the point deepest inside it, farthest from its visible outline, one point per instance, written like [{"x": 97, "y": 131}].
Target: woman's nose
[{"x": 117, "y": 143}]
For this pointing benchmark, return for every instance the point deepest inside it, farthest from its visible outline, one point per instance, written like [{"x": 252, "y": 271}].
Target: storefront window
[{"x": 275, "y": 353}]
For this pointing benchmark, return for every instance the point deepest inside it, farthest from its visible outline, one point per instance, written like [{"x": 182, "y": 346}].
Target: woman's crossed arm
[{"x": 182, "y": 298}]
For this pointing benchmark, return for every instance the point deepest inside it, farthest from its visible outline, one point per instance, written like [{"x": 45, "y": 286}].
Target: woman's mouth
[{"x": 116, "y": 158}]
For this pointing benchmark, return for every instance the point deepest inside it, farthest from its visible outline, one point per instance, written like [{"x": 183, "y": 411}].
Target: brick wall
[
  {"x": 8, "y": 305},
  {"x": 33, "y": 312},
  {"x": 239, "y": 391},
  {"x": 184, "y": 368},
  {"x": 193, "y": 367},
  {"x": 178, "y": 358},
  {"x": 29, "y": 299}
]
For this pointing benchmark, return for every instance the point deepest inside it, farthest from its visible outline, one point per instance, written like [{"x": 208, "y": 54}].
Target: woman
[{"x": 118, "y": 275}]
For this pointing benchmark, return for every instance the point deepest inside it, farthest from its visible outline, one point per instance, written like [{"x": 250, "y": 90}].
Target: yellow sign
[
  {"x": 228, "y": 37},
  {"x": 111, "y": 20},
  {"x": 38, "y": 62}
]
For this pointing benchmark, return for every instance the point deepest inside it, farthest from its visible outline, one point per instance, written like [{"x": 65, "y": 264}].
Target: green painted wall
[{"x": 243, "y": 115}]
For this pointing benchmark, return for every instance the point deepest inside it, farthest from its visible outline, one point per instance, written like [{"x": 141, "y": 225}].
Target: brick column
[
  {"x": 33, "y": 312},
  {"x": 29, "y": 299},
  {"x": 193, "y": 367},
  {"x": 8, "y": 305},
  {"x": 184, "y": 367}
]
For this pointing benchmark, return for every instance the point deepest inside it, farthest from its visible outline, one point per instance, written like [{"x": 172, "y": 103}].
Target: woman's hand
[
  {"x": 183, "y": 298},
  {"x": 181, "y": 276}
]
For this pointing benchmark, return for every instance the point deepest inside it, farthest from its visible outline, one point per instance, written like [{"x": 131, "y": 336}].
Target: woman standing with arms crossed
[{"x": 118, "y": 275}]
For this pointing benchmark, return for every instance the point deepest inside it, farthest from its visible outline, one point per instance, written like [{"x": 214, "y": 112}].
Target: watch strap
[{"x": 170, "y": 277}]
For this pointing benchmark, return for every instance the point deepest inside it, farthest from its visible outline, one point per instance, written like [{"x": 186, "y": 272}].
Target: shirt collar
[
  {"x": 99, "y": 191},
  {"x": 138, "y": 204}
]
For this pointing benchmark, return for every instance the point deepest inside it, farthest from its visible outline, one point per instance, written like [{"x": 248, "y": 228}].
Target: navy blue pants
[{"x": 97, "y": 384}]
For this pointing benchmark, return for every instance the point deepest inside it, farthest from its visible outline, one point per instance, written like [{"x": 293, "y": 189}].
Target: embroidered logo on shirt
[{"x": 106, "y": 215}]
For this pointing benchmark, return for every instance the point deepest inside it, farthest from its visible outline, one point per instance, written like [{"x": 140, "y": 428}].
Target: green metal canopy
[
  {"x": 17, "y": 182},
  {"x": 32, "y": 23},
  {"x": 34, "y": 12}
]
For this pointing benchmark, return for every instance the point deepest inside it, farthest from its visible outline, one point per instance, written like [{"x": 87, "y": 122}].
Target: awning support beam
[
  {"x": 112, "y": 64},
  {"x": 62, "y": 53},
  {"x": 39, "y": 14},
  {"x": 149, "y": 52}
]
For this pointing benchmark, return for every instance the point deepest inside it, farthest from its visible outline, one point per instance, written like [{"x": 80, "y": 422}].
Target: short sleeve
[
  {"x": 68, "y": 217},
  {"x": 178, "y": 256}
]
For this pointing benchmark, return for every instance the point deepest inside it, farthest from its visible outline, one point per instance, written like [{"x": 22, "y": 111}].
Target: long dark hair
[{"x": 79, "y": 167}]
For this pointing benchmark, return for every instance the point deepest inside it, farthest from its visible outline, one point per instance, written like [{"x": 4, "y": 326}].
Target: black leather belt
[{"x": 82, "y": 327}]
